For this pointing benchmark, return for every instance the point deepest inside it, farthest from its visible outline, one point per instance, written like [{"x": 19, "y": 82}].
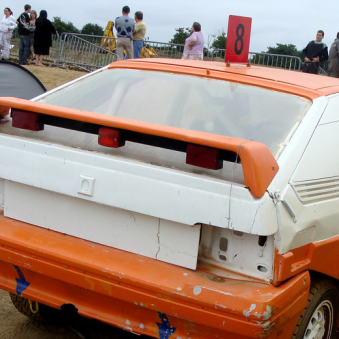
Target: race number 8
[
  {"x": 240, "y": 31},
  {"x": 238, "y": 39}
]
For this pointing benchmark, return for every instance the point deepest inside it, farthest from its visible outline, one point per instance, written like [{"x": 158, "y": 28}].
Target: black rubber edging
[{"x": 26, "y": 70}]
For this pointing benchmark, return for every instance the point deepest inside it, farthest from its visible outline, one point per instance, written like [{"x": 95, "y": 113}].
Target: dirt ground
[
  {"x": 13, "y": 324},
  {"x": 52, "y": 77}
]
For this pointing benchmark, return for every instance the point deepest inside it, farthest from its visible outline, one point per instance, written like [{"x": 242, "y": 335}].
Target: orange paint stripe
[{"x": 228, "y": 74}]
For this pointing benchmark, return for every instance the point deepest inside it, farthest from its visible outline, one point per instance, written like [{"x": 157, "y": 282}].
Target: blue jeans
[
  {"x": 137, "y": 46},
  {"x": 24, "y": 49}
]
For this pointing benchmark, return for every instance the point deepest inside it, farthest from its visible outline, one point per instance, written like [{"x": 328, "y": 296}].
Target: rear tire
[
  {"x": 43, "y": 314},
  {"x": 319, "y": 319}
]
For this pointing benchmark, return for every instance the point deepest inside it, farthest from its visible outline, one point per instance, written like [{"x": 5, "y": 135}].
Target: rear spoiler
[{"x": 202, "y": 149}]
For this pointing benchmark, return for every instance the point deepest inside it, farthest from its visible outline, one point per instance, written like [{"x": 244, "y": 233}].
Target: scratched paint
[
  {"x": 91, "y": 283},
  {"x": 247, "y": 313},
  {"x": 197, "y": 290},
  {"x": 107, "y": 287},
  {"x": 219, "y": 305},
  {"x": 268, "y": 313}
]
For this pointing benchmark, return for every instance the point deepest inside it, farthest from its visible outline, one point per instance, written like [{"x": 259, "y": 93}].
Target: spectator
[
  {"x": 42, "y": 37},
  {"x": 125, "y": 27},
  {"x": 138, "y": 34},
  {"x": 24, "y": 34},
  {"x": 32, "y": 20},
  {"x": 333, "y": 67},
  {"x": 6, "y": 29},
  {"x": 315, "y": 52},
  {"x": 194, "y": 44}
]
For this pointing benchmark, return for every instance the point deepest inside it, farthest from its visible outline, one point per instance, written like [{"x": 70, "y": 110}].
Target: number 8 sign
[{"x": 238, "y": 39}]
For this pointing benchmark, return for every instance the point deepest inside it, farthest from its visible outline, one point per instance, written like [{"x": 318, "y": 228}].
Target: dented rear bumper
[{"x": 143, "y": 295}]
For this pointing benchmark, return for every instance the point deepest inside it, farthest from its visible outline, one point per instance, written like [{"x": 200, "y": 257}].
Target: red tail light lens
[
  {"x": 203, "y": 156},
  {"x": 110, "y": 137},
  {"x": 26, "y": 120}
]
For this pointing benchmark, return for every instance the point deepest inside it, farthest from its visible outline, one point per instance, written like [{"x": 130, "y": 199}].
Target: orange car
[{"x": 176, "y": 199}]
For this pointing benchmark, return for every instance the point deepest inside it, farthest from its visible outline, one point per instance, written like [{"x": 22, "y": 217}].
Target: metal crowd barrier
[
  {"x": 53, "y": 51},
  {"x": 82, "y": 51},
  {"x": 265, "y": 59},
  {"x": 90, "y": 52}
]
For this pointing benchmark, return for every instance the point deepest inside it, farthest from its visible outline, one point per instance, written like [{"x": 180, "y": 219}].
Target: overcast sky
[{"x": 288, "y": 22}]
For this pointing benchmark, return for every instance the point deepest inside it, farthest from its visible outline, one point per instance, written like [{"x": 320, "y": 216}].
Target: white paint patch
[
  {"x": 247, "y": 313},
  {"x": 197, "y": 290},
  {"x": 142, "y": 326},
  {"x": 268, "y": 313},
  {"x": 222, "y": 306},
  {"x": 142, "y": 305},
  {"x": 128, "y": 329},
  {"x": 136, "y": 304},
  {"x": 186, "y": 274},
  {"x": 128, "y": 322},
  {"x": 178, "y": 288}
]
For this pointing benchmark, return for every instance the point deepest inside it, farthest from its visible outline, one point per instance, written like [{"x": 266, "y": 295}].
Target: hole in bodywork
[
  {"x": 262, "y": 268},
  {"x": 238, "y": 234},
  {"x": 222, "y": 257},
  {"x": 262, "y": 240},
  {"x": 223, "y": 244}
]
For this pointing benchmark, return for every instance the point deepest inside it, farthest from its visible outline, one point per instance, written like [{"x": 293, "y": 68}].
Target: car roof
[{"x": 306, "y": 85}]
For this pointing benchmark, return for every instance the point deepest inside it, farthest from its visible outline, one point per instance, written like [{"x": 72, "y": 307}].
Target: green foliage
[
  {"x": 181, "y": 35},
  {"x": 62, "y": 26},
  {"x": 284, "y": 50},
  {"x": 220, "y": 41},
  {"x": 93, "y": 29}
]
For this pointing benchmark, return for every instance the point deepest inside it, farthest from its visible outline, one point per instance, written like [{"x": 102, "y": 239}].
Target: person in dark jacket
[
  {"x": 24, "y": 34},
  {"x": 316, "y": 51},
  {"x": 333, "y": 58},
  {"x": 42, "y": 37}
]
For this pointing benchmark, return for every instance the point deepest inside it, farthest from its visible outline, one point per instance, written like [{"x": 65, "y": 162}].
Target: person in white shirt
[{"x": 6, "y": 29}]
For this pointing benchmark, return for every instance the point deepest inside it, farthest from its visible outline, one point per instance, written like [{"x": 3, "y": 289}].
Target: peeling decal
[
  {"x": 21, "y": 283},
  {"x": 165, "y": 329},
  {"x": 197, "y": 290}
]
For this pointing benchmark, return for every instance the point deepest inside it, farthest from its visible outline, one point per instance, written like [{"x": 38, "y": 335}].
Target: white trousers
[{"x": 5, "y": 44}]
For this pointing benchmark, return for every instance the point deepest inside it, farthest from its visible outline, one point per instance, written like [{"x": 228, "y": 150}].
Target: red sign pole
[{"x": 238, "y": 39}]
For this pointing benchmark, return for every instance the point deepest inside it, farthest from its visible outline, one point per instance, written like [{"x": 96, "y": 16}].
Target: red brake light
[
  {"x": 203, "y": 156},
  {"x": 110, "y": 137},
  {"x": 26, "y": 120}
]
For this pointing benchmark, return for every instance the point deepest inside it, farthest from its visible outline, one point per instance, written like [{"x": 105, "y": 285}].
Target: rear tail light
[
  {"x": 110, "y": 137},
  {"x": 26, "y": 120},
  {"x": 203, "y": 156}
]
